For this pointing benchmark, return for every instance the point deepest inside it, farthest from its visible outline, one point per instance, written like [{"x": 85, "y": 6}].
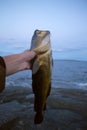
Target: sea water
[
  {"x": 69, "y": 74},
  {"x": 65, "y": 74}
]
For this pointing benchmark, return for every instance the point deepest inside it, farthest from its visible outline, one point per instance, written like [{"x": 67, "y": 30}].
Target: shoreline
[{"x": 72, "y": 60}]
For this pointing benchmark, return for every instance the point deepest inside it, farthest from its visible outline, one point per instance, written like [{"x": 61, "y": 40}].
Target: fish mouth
[{"x": 39, "y": 31}]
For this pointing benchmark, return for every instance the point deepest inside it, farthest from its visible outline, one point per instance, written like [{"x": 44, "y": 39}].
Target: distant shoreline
[
  {"x": 54, "y": 58},
  {"x": 69, "y": 60}
]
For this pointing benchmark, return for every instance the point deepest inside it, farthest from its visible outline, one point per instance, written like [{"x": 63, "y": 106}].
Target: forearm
[{"x": 18, "y": 62}]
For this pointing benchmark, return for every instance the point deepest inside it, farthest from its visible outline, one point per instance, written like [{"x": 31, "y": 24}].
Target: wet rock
[
  {"x": 66, "y": 110},
  {"x": 9, "y": 111}
]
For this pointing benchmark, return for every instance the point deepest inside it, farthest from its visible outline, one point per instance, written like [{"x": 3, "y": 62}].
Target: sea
[
  {"x": 69, "y": 69},
  {"x": 65, "y": 74}
]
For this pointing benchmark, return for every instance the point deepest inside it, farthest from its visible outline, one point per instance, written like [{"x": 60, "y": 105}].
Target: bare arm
[{"x": 18, "y": 62}]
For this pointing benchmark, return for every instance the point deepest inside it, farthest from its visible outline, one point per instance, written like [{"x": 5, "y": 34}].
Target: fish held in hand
[{"x": 41, "y": 71}]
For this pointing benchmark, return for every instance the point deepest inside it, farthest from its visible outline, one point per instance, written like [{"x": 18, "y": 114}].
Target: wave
[
  {"x": 13, "y": 84},
  {"x": 82, "y": 84},
  {"x": 65, "y": 84}
]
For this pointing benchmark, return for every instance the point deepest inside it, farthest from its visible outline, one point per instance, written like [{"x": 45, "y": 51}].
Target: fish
[{"x": 41, "y": 72}]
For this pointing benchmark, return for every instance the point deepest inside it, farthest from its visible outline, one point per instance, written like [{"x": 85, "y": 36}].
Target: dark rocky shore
[{"x": 66, "y": 110}]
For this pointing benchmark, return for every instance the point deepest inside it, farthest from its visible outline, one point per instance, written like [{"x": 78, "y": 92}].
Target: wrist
[{"x": 28, "y": 55}]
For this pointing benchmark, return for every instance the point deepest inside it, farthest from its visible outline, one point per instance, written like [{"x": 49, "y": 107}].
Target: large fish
[{"x": 41, "y": 72}]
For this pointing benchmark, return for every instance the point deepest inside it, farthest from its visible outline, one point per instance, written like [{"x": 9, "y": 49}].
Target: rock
[
  {"x": 63, "y": 119},
  {"x": 9, "y": 111},
  {"x": 73, "y": 103},
  {"x": 54, "y": 119},
  {"x": 66, "y": 110}
]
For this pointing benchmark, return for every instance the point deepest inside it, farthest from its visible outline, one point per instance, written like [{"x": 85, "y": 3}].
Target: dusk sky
[{"x": 66, "y": 20}]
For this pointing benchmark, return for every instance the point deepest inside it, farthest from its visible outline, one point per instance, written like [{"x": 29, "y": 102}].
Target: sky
[{"x": 65, "y": 19}]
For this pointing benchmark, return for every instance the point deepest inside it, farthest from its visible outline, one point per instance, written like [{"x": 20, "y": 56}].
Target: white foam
[{"x": 82, "y": 84}]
